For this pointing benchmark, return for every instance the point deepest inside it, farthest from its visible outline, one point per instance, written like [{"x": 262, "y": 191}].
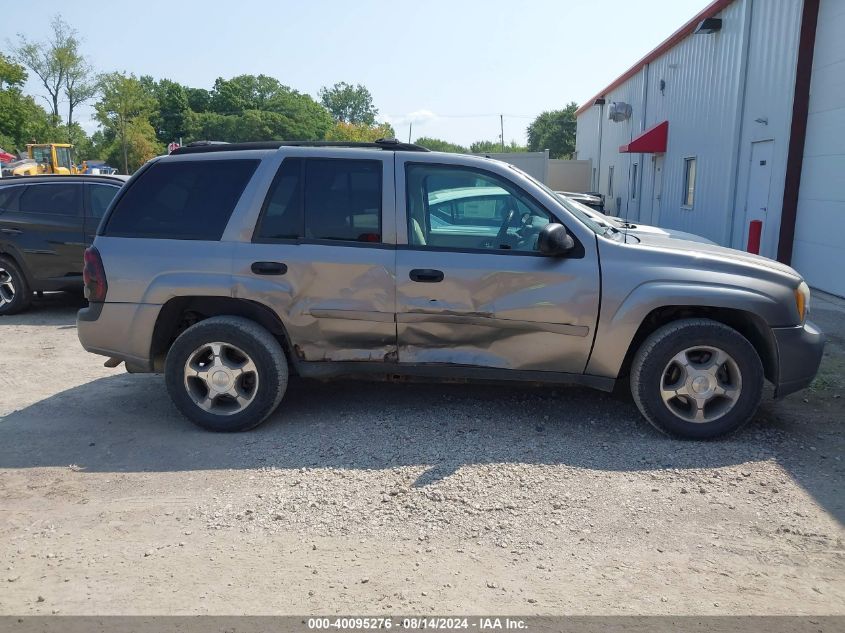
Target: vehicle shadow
[
  {"x": 126, "y": 423},
  {"x": 51, "y": 308}
]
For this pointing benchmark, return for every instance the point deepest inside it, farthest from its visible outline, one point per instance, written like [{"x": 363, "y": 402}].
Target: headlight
[{"x": 802, "y": 300}]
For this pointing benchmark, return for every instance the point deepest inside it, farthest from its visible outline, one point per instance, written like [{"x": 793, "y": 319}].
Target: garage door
[{"x": 819, "y": 249}]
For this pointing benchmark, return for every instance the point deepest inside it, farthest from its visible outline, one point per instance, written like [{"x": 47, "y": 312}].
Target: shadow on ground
[{"x": 125, "y": 423}]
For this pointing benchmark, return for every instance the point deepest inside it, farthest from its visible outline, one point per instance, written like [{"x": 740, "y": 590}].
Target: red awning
[{"x": 652, "y": 141}]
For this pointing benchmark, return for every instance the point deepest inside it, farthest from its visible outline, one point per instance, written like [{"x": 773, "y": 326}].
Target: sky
[{"x": 447, "y": 67}]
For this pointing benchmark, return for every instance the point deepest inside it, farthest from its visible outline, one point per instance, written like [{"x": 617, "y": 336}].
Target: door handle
[
  {"x": 269, "y": 268},
  {"x": 11, "y": 231},
  {"x": 426, "y": 275}
]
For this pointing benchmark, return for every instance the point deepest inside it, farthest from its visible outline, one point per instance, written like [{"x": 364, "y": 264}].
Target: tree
[
  {"x": 199, "y": 99},
  {"x": 437, "y": 145},
  {"x": 21, "y": 119},
  {"x": 123, "y": 101},
  {"x": 266, "y": 108},
  {"x": 170, "y": 118},
  {"x": 495, "y": 147},
  {"x": 349, "y": 104},
  {"x": 59, "y": 66},
  {"x": 359, "y": 133},
  {"x": 554, "y": 131}
]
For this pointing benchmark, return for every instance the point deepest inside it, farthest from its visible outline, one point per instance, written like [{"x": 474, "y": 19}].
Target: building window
[
  {"x": 689, "y": 182},
  {"x": 610, "y": 182},
  {"x": 634, "y": 170}
]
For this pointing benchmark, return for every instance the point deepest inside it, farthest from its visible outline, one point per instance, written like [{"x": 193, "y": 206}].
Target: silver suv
[{"x": 229, "y": 267}]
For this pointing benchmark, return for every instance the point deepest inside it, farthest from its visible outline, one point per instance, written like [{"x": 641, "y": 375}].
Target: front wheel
[
  {"x": 697, "y": 379},
  {"x": 15, "y": 295},
  {"x": 226, "y": 373}
]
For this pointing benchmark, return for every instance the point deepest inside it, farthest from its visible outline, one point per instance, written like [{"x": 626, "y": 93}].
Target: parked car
[
  {"x": 228, "y": 267},
  {"x": 46, "y": 222},
  {"x": 590, "y": 199},
  {"x": 630, "y": 228}
]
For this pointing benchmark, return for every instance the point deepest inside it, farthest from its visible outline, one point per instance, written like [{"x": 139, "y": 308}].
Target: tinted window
[
  {"x": 282, "y": 216},
  {"x": 181, "y": 200},
  {"x": 57, "y": 199},
  {"x": 9, "y": 198},
  {"x": 99, "y": 198},
  {"x": 343, "y": 200},
  {"x": 452, "y": 207}
]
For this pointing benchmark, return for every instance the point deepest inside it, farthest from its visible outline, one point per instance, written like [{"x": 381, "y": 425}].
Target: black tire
[
  {"x": 22, "y": 297},
  {"x": 257, "y": 343},
  {"x": 656, "y": 352}
]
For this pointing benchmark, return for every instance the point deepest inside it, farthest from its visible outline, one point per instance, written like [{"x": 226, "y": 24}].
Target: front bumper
[{"x": 799, "y": 356}]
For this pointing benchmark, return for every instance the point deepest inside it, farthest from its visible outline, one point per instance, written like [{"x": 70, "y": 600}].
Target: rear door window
[
  {"x": 184, "y": 200},
  {"x": 282, "y": 215},
  {"x": 9, "y": 198},
  {"x": 99, "y": 198},
  {"x": 324, "y": 199},
  {"x": 343, "y": 200},
  {"x": 53, "y": 199}
]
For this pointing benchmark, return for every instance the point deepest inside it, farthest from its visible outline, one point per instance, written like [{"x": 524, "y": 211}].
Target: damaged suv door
[
  {"x": 473, "y": 288},
  {"x": 322, "y": 256}
]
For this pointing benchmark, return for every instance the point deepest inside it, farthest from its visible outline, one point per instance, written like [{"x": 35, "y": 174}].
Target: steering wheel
[{"x": 503, "y": 231}]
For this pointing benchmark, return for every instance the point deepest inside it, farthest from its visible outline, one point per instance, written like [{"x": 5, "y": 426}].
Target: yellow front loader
[{"x": 45, "y": 158}]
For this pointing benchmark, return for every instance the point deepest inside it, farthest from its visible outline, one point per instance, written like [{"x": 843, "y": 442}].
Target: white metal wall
[
  {"x": 714, "y": 87},
  {"x": 819, "y": 253}
]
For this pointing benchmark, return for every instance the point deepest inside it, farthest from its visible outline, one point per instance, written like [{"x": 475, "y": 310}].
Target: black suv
[{"x": 46, "y": 222}]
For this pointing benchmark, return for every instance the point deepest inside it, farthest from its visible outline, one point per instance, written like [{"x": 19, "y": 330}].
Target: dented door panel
[
  {"x": 336, "y": 302},
  {"x": 502, "y": 311}
]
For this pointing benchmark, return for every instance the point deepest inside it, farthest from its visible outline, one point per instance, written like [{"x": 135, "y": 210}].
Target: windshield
[{"x": 588, "y": 220}]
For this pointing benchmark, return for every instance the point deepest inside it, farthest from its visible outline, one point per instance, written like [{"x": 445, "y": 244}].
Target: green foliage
[
  {"x": 60, "y": 67},
  {"x": 495, "y": 147},
  {"x": 125, "y": 107},
  {"x": 12, "y": 75},
  {"x": 349, "y": 104},
  {"x": 199, "y": 99},
  {"x": 171, "y": 116},
  {"x": 554, "y": 131},
  {"x": 360, "y": 133},
  {"x": 438, "y": 145},
  {"x": 21, "y": 119}
]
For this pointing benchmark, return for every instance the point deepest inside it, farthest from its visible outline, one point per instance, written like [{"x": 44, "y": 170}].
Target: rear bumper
[
  {"x": 119, "y": 330},
  {"x": 799, "y": 356}
]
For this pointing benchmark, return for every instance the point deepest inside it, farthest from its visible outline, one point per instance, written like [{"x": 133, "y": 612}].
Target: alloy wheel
[
  {"x": 221, "y": 378},
  {"x": 701, "y": 384}
]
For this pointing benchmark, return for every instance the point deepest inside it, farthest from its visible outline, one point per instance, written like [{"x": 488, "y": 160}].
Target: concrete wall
[
  {"x": 819, "y": 248},
  {"x": 570, "y": 175}
]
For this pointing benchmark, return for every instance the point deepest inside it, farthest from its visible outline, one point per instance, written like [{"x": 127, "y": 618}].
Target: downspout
[
  {"x": 598, "y": 170},
  {"x": 728, "y": 234},
  {"x": 798, "y": 129},
  {"x": 639, "y": 183}
]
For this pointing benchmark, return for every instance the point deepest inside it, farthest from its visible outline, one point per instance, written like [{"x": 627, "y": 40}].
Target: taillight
[{"x": 94, "y": 276}]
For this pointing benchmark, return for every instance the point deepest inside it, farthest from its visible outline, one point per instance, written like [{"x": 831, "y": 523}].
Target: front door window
[{"x": 466, "y": 209}]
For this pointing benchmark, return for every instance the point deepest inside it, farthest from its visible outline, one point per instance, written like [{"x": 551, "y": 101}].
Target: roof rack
[{"x": 201, "y": 147}]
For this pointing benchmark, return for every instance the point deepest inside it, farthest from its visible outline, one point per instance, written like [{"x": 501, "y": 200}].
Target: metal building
[{"x": 734, "y": 129}]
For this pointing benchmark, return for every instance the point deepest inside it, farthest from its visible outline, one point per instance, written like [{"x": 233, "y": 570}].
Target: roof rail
[{"x": 202, "y": 147}]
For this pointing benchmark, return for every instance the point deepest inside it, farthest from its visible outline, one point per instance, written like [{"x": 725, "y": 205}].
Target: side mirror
[{"x": 554, "y": 241}]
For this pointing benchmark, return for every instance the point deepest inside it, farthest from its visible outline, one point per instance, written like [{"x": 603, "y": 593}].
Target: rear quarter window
[{"x": 185, "y": 200}]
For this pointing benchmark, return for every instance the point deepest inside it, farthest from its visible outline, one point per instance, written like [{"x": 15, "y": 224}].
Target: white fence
[{"x": 559, "y": 174}]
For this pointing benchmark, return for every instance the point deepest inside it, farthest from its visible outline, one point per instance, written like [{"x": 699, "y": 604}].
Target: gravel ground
[{"x": 405, "y": 498}]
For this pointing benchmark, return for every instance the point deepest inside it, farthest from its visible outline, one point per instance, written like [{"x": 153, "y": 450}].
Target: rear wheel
[
  {"x": 15, "y": 294},
  {"x": 226, "y": 373},
  {"x": 697, "y": 378}
]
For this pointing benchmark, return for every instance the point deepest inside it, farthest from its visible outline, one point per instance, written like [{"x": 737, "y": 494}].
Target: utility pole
[
  {"x": 410, "y": 129},
  {"x": 502, "y": 129}
]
